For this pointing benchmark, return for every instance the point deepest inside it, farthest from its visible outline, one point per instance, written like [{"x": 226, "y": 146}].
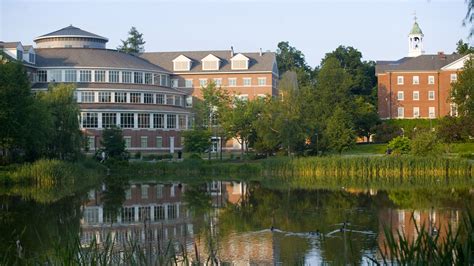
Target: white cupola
[{"x": 415, "y": 41}]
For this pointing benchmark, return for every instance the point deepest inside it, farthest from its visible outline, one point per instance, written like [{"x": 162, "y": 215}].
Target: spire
[
  {"x": 416, "y": 28},
  {"x": 415, "y": 39}
]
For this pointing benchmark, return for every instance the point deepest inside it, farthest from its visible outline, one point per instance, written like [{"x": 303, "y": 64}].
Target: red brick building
[{"x": 419, "y": 85}]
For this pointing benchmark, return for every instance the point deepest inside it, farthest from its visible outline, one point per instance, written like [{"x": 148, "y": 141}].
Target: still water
[{"x": 226, "y": 222}]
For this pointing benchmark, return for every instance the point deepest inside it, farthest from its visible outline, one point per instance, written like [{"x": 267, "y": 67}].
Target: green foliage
[
  {"x": 425, "y": 143},
  {"x": 340, "y": 131},
  {"x": 113, "y": 143},
  {"x": 66, "y": 138},
  {"x": 291, "y": 59},
  {"x": 464, "y": 48},
  {"x": 134, "y": 43},
  {"x": 197, "y": 140},
  {"x": 400, "y": 145},
  {"x": 455, "y": 129},
  {"x": 462, "y": 92},
  {"x": 365, "y": 118},
  {"x": 385, "y": 132}
]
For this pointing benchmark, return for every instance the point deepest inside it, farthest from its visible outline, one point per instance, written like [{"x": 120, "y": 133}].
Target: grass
[{"x": 366, "y": 149}]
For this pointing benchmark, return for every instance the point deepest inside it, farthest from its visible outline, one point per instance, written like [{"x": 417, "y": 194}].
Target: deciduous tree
[{"x": 462, "y": 92}]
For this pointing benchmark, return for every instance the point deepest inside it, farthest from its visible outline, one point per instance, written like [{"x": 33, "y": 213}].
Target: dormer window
[
  {"x": 182, "y": 63},
  {"x": 210, "y": 62},
  {"x": 32, "y": 58},
  {"x": 240, "y": 62}
]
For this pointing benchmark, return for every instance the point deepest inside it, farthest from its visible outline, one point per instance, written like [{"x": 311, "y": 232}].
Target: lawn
[{"x": 367, "y": 149}]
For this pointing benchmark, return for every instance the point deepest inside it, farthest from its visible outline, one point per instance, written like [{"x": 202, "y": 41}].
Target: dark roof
[
  {"x": 125, "y": 107},
  {"x": 90, "y": 57},
  {"x": 256, "y": 63},
  {"x": 419, "y": 63},
  {"x": 71, "y": 31},
  {"x": 125, "y": 86}
]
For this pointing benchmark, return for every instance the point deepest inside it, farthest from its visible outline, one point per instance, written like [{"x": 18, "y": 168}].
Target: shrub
[
  {"x": 138, "y": 155},
  {"x": 425, "y": 143},
  {"x": 386, "y": 132},
  {"x": 399, "y": 145}
]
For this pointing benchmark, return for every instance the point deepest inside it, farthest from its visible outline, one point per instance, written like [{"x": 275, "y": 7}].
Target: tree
[
  {"x": 462, "y": 91},
  {"x": 424, "y": 143},
  {"x": 340, "y": 132},
  {"x": 291, "y": 59},
  {"x": 469, "y": 18},
  {"x": 65, "y": 141},
  {"x": 400, "y": 145},
  {"x": 464, "y": 48},
  {"x": 365, "y": 118},
  {"x": 113, "y": 143},
  {"x": 134, "y": 43},
  {"x": 197, "y": 140}
]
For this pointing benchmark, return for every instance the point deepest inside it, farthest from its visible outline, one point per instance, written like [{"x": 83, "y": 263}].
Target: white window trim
[
  {"x": 398, "y": 112},
  {"x": 416, "y": 80},
  {"x": 262, "y": 78},
  {"x": 400, "y": 80},
  {"x": 417, "y": 93},
  {"x": 243, "y": 82},
  {"x": 228, "y": 81},
  {"x": 418, "y": 109},
  {"x": 429, "y": 80},
  {"x": 402, "y": 94},
  {"x": 434, "y": 96}
]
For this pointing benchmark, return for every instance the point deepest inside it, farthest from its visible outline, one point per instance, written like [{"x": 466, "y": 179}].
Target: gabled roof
[
  {"x": 181, "y": 58},
  {"x": 458, "y": 64},
  {"x": 89, "y": 57},
  {"x": 420, "y": 63},
  {"x": 239, "y": 56},
  {"x": 256, "y": 62},
  {"x": 71, "y": 31},
  {"x": 11, "y": 44},
  {"x": 211, "y": 57}
]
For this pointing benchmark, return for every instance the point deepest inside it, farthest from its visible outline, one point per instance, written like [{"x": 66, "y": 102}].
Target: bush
[
  {"x": 425, "y": 143},
  {"x": 386, "y": 132},
  {"x": 399, "y": 145},
  {"x": 138, "y": 155}
]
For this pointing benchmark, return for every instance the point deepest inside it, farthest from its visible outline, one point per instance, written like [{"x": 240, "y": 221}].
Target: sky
[{"x": 377, "y": 28}]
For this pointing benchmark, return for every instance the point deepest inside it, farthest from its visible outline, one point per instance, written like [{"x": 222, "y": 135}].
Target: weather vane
[{"x": 414, "y": 15}]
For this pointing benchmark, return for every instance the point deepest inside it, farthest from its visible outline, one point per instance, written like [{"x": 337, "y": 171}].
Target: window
[
  {"x": 148, "y": 78},
  {"x": 163, "y": 80},
  {"x": 42, "y": 76},
  {"x": 170, "y": 99},
  {"x": 135, "y": 97},
  {"x": 109, "y": 120},
  {"x": 416, "y": 112},
  {"x": 181, "y": 65},
  {"x": 189, "y": 101},
  {"x": 182, "y": 121},
  {"x": 144, "y": 212},
  {"x": 160, "y": 99},
  {"x": 189, "y": 83},
  {"x": 232, "y": 82},
  {"x": 100, "y": 76},
  {"x": 144, "y": 141},
  {"x": 203, "y": 82},
  {"x": 126, "y": 77},
  {"x": 105, "y": 97},
  {"x": 128, "y": 214},
  {"x": 128, "y": 144},
  {"x": 159, "y": 212},
  {"x": 91, "y": 215},
  {"x": 431, "y": 80},
  {"x": 174, "y": 83},
  {"x": 87, "y": 96},
  {"x": 177, "y": 100},
  {"x": 91, "y": 142},
  {"x": 159, "y": 188},
  {"x": 210, "y": 65},
  {"x": 247, "y": 81},
  {"x": 159, "y": 144},
  {"x": 55, "y": 75},
  {"x": 400, "y": 80},
  {"x": 19, "y": 55},
  {"x": 32, "y": 58},
  {"x": 218, "y": 82},
  {"x": 416, "y": 80},
  {"x": 431, "y": 112},
  {"x": 114, "y": 76},
  {"x": 416, "y": 95},
  {"x": 127, "y": 120},
  {"x": 239, "y": 64},
  {"x": 243, "y": 97},
  {"x": 453, "y": 109},
  {"x": 401, "y": 112},
  {"x": 431, "y": 95},
  {"x": 138, "y": 77},
  {"x": 262, "y": 81},
  {"x": 400, "y": 95},
  {"x": 85, "y": 76},
  {"x": 171, "y": 121},
  {"x": 90, "y": 120},
  {"x": 159, "y": 120},
  {"x": 143, "y": 120},
  {"x": 454, "y": 77},
  {"x": 172, "y": 211},
  {"x": 120, "y": 97},
  {"x": 70, "y": 75},
  {"x": 148, "y": 98}
]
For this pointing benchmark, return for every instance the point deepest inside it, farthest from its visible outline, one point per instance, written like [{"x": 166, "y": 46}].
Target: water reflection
[{"x": 228, "y": 221}]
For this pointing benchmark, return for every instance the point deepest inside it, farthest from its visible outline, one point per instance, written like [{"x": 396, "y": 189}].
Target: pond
[{"x": 226, "y": 222}]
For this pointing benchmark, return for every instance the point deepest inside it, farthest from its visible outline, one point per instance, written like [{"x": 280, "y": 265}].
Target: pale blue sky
[{"x": 378, "y": 29}]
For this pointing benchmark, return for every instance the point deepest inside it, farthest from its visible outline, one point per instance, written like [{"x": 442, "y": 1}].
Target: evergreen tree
[
  {"x": 134, "y": 43},
  {"x": 113, "y": 143}
]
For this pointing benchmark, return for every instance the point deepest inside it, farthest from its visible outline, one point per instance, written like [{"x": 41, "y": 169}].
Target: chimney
[
  {"x": 261, "y": 53},
  {"x": 441, "y": 55},
  {"x": 232, "y": 51}
]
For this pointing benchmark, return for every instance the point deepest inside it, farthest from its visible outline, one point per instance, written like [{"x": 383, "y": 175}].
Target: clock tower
[{"x": 415, "y": 41}]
